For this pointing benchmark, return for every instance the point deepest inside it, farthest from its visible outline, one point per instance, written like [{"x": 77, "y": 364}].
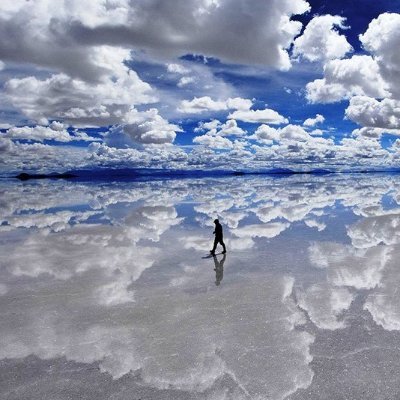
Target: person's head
[{"x": 216, "y": 221}]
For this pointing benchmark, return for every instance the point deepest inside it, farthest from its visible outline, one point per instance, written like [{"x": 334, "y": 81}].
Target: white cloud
[
  {"x": 319, "y": 119},
  {"x": 231, "y": 128},
  {"x": 199, "y": 105},
  {"x": 38, "y": 133},
  {"x": 238, "y": 103},
  {"x": 316, "y": 132},
  {"x": 265, "y": 132},
  {"x": 149, "y": 128},
  {"x": 294, "y": 132},
  {"x": 155, "y": 132},
  {"x": 381, "y": 39},
  {"x": 214, "y": 137},
  {"x": 166, "y": 156},
  {"x": 266, "y": 116},
  {"x": 374, "y": 133},
  {"x": 204, "y": 104},
  {"x": 207, "y": 126},
  {"x": 312, "y": 223},
  {"x": 39, "y": 33},
  {"x": 78, "y": 102},
  {"x": 177, "y": 69},
  {"x": 321, "y": 41},
  {"x": 369, "y": 112},
  {"x": 214, "y": 142},
  {"x": 58, "y": 35},
  {"x": 38, "y": 157},
  {"x": 359, "y": 75},
  {"x": 185, "y": 80}
]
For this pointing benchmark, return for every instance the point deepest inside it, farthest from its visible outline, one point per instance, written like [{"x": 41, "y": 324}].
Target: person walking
[{"x": 219, "y": 237}]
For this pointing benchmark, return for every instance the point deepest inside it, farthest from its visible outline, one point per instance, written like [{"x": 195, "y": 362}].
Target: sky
[{"x": 199, "y": 84}]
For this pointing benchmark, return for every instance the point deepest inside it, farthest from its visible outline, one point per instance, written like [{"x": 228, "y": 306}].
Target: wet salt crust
[{"x": 105, "y": 293}]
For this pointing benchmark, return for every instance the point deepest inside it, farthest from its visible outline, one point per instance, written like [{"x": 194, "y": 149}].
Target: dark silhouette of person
[
  {"x": 219, "y": 269},
  {"x": 219, "y": 237}
]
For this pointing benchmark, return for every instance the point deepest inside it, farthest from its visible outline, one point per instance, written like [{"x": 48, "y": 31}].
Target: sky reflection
[{"x": 113, "y": 275}]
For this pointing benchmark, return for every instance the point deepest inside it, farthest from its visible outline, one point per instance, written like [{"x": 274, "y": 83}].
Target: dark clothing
[
  {"x": 216, "y": 241},
  {"x": 218, "y": 232},
  {"x": 219, "y": 238}
]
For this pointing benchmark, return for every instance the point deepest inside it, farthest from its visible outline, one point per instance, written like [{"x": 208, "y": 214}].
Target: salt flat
[{"x": 105, "y": 292}]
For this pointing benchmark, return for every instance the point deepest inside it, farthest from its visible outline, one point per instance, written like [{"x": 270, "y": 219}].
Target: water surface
[{"x": 105, "y": 291}]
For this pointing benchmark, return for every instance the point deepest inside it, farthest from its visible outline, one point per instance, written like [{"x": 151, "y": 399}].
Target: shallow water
[{"x": 105, "y": 291}]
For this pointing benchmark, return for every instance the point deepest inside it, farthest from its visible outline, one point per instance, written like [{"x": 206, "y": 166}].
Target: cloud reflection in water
[{"x": 113, "y": 275}]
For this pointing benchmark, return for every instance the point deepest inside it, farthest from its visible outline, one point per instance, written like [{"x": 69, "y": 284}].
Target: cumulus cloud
[
  {"x": 37, "y": 33},
  {"x": 204, "y": 104},
  {"x": 374, "y": 76},
  {"x": 58, "y": 36},
  {"x": 266, "y": 133},
  {"x": 163, "y": 156},
  {"x": 55, "y": 131},
  {"x": 78, "y": 102},
  {"x": 177, "y": 69},
  {"x": 231, "y": 128},
  {"x": 185, "y": 80},
  {"x": 374, "y": 133},
  {"x": 369, "y": 112},
  {"x": 199, "y": 105},
  {"x": 266, "y": 116},
  {"x": 312, "y": 223},
  {"x": 321, "y": 40},
  {"x": 207, "y": 126},
  {"x": 147, "y": 128},
  {"x": 215, "y": 127},
  {"x": 359, "y": 75},
  {"x": 381, "y": 39},
  {"x": 39, "y": 157},
  {"x": 309, "y": 122},
  {"x": 214, "y": 142},
  {"x": 288, "y": 133}
]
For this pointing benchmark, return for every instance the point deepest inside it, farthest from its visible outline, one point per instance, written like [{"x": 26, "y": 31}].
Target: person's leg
[
  {"x": 214, "y": 247},
  {"x": 223, "y": 245}
]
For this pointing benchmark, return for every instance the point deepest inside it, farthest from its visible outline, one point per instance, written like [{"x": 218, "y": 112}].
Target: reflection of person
[
  {"x": 219, "y": 237},
  {"x": 219, "y": 269}
]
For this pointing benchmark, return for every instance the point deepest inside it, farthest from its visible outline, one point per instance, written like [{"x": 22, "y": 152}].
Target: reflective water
[{"x": 105, "y": 291}]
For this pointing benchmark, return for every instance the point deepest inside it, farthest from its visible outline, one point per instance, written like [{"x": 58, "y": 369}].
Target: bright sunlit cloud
[{"x": 280, "y": 84}]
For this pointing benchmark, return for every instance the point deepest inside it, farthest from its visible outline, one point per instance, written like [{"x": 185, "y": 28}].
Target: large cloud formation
[
  {"x": 56, "y": 34},
  {"x": 321, "y": 41},
  {"x": 371, "y": 81},
  {"x": 138, "y": 74}
]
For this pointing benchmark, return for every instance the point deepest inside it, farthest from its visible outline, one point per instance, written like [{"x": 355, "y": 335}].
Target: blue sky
[{"x": 211, "y": 84}]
